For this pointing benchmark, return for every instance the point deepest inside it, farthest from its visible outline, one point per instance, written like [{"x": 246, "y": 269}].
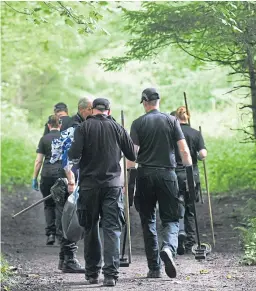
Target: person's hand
[
  {"x": 35, "y": 184},
  {"x": 71, "y": 187},
  {"x": 199, "y": 157}
]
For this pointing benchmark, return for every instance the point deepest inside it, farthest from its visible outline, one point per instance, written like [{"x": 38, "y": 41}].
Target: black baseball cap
[
  {"x": 149, "y": 94},
  {"x": 101, "y": 104},
  {"x": 60, "y": 107}
]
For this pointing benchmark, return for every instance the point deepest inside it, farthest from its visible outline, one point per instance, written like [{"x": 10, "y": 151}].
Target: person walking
[
  {"x": 155, "y": 135},
  {"x": 198, "y": 151},
  {"x": 99, "y": 143},
  {"x": 49, "y": 175}
]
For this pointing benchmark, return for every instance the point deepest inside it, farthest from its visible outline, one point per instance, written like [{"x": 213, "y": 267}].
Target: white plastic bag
[{"x": 70, "y": 225}]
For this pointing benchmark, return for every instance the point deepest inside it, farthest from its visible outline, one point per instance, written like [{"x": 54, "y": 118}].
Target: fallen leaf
[
  {"x": 188, "y": 278},
  {"x": 204, "y": 271},
  {"x": 229, "y": 276}
]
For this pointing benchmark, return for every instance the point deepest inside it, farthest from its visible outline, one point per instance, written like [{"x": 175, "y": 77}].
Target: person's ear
[
  {"x": 49, "y": 126},
  {"x": 109, "y": 112}
]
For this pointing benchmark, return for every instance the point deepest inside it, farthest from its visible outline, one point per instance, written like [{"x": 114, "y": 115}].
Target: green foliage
[
  {"x": 230, "y": 165},
  {"x": 211, "y": 31},
  {"x": 5, "y": 273},
  {"x": 249, "y": 241},
  {"x": 17, "y": 162},
  {"x": 18, "y": 146}
]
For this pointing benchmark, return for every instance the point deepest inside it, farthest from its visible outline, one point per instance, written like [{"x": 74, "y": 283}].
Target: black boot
[
  {"x": 50, "y": 240},
  {"x": 60, "y": 265},
  {"x": 181, "y": 243},
  {"x": 71, "y": 265}
]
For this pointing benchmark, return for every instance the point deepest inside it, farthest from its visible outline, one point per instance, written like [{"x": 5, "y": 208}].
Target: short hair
[
  {"x": 153, "y": 102},
  {"x": 53, "y": 121},
  {"x": 84, "y": 102}
]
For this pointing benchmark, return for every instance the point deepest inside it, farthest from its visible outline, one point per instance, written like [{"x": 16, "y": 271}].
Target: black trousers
[
  {"x": 187, "y": 224},
  {"x": 106, "y": 203},
  {"x": 152, "y": 186},
  {"x": 49, "y": 205},
  {"x": 67, "y": 248}
]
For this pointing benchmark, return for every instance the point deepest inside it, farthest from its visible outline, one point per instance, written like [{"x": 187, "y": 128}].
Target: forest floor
[{"x": 23, "y": 245}]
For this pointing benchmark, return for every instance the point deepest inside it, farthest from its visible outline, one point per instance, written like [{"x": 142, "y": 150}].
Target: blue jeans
[
  {"x": 152, "y": 186},
  {"x": 106, "y": 203}
]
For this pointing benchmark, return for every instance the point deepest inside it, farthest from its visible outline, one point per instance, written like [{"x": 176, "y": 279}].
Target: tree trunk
[{"x": 252, "y": 74}]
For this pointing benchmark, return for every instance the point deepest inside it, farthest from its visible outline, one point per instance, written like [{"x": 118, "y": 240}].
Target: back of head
[
  {"x": 53, "y": 121},
  {"x": 151, "y": 96},
  {"x": 101, "y": 104},
  {"x": 183, "y": 114},
  {"x": 60, "y": 107}
]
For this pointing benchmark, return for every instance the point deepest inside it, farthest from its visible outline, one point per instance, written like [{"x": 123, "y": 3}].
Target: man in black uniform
[
  {"x": 98, "y": 143},
  {"x": 198, "y": 152},
  {"x": 155, "y": 134},
  {"x": 61, "y": 110}
]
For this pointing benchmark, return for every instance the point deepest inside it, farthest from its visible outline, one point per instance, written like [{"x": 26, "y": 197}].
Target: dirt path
[{"x": 23, "y": 244}]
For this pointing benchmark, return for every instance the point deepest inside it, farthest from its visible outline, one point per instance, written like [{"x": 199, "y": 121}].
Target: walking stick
[
  {"x": 200, "y": 188},
  {"x": 208, "y": 195},
  {"x": 128, "y": 225}
]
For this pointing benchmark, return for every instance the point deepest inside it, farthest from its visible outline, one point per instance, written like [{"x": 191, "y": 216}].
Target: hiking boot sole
[{"x": 170, "y": 268}]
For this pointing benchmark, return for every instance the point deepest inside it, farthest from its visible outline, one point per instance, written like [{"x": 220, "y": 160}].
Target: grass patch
[
  {"x": 249, "y": 241},
  {"x": 17, "y": 162},
  {"x": 230, "y": 165}
]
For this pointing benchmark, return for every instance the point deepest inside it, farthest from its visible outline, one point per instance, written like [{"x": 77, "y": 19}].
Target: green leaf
[{"x": 69, "y": 22}]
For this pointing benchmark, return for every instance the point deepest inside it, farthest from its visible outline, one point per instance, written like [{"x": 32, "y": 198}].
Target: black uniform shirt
[
  {"x": 98, "y": 142},
  {"x": 66, "y": 122},
  {"x": 195, "y": 143},
  {"x": 45, "y": 148},
  {"x": 77, "y": 118},
  {"x": 156, "y": 134}
]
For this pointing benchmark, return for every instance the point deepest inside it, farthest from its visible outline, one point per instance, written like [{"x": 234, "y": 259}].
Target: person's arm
[
  {"x": 135, "y": 139},
  {"x": 75, "y": 151},
  {"x": 38, "y": 164},
  {"x": 74, "y": 154},
  {"x": 132, "y": 164},
  {"x": 182, "y": 144},
  {"x": 202, "y": 152},
  {"x": 184, "y": 152},
  {"x": 127, "y": 146},
  {"x": 71, "y": 180}
]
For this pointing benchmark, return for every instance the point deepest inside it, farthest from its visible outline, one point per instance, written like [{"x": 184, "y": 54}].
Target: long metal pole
[
  {"x": 33, "y": 205},
  {"x": 200, "y": 189},
  {"x": 127, "y": 202},
  {"x": 208, "y": 195}
]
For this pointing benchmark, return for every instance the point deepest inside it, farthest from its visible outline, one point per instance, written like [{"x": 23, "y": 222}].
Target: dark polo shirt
[{"x": 156, "y": 134}]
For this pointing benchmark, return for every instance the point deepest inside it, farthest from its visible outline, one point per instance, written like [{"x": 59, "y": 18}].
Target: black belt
[{"x": 155, "y": 167}]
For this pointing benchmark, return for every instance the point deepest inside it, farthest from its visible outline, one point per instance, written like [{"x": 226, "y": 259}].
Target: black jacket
[{"x": 99, "y": 142}]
